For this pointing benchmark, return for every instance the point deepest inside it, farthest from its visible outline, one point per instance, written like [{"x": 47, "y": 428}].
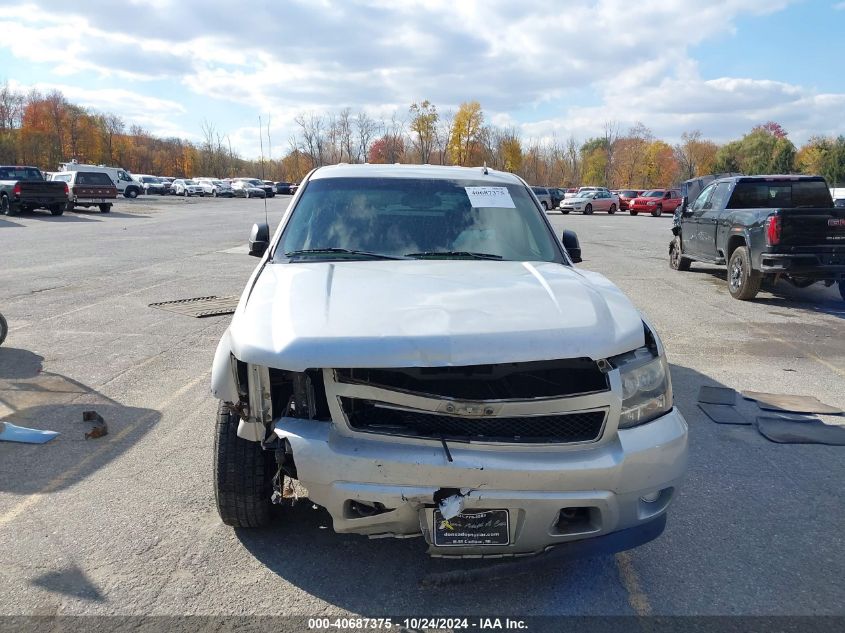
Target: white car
[
  {"x": 590, "y": 201},
  {"x": 206, "y": 185},
  {"x": 186, "y": 187},
  {"x": 417, "y": 348}
]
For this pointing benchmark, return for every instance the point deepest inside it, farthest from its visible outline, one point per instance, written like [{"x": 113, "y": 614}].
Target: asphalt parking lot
[{"x": 126, "y": 524}]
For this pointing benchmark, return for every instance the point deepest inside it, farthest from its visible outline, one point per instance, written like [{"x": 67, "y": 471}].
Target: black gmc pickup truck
[
  {"x": 764, "y": 228},
  {"x": 24, "y": 189}
]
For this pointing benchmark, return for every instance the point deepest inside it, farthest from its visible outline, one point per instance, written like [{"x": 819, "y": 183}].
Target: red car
[
  {"x": 626, "y": 196},
  {"x": 656, "y": 202}
]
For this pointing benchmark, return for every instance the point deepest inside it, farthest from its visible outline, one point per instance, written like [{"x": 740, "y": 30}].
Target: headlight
[{"x": 646, "y": 386}]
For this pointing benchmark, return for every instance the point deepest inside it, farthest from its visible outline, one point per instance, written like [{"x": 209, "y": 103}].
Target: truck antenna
[{"x": 261, "y": 143}]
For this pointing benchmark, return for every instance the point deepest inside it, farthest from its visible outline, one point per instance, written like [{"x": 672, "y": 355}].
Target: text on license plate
[{"x": 483, "y": 527}]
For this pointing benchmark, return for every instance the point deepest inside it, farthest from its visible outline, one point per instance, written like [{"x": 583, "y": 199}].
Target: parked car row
[
  {"x": 216, "y": 187},
  {"x": 589, "y": 199}
]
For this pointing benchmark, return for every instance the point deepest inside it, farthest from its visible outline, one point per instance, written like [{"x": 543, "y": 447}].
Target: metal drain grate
[{"x": 200, "y": 307}]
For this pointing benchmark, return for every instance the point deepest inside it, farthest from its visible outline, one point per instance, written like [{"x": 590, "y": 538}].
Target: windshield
[
  {"x": 20, "y": 173},
  {"x": 656, "y": 193},
  {"x": 780, "y": 193},
  {"x": 628, "y": 194},
  {"x": 399, "y": 217},
  {"x": 190, "y": 182},
  {"x": 93, "y": 178}
]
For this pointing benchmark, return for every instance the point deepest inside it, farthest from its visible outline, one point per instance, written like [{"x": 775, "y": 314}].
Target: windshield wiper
[
  {"x": 472, "y": 254},
  {"x": 342, "y": 251}
]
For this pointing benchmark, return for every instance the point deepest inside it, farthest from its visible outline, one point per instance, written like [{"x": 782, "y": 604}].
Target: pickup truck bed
[
  {"x": 25, "y": 189},
  {"x": 764, "y": 227}
]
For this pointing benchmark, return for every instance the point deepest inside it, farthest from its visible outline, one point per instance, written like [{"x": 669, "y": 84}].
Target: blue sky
[{"x": 550, "y": 69}]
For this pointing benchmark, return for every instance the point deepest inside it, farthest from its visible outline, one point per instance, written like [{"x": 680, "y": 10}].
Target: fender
[{"x": 224, "y": 372}]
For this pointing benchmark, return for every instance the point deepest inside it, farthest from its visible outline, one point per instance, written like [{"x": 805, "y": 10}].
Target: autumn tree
[
  {"x": 764, "y": 150},
  {"x": 387, "y": 149},
  {"x": 824, "y": 156},
  {"x": 423, "y": 125},
  {"x": 695, "y": 156},
  {"x": 630, "y": 154},
  {"x": 510, "y": 150},
  {"x": 466, "y": 129},
  {"x": 594, "y": 162},
  {"x": 660, "y": 166}
]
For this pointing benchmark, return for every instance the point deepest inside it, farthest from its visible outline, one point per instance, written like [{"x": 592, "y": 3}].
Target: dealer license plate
[{"x": 484, "y": 527}]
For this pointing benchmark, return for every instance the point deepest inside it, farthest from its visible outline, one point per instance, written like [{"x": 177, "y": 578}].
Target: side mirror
[
  {"x": 572, "y": 245},
  {"x": 259, "y": 239}
]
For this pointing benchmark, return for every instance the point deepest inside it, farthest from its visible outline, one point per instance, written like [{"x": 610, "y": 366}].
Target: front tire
[
  {"x": 105, "y": 208},
  {"x": 130, "y": 192},
  {"x": 743, "y": 282},
  {"x": 588, "y": 210},
  {"x": 243, "y": 475},
  {"x": 676, "y": 260},
  {"x": 632, "y": 212},
  {"x": 612, "y": 209},
  {"x": 657, "y": 212},
  {"x": 4, "y": 329},
  {"x": 545, "y": 206}
]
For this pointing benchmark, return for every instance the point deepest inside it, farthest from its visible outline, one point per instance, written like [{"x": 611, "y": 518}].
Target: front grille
[
  {"x": 374, "y": 417},
  {"x": 507, "y": 381}
]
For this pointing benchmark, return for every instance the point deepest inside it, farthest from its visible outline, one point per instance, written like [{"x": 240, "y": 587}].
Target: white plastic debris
[{"x": 451, "y": 506}]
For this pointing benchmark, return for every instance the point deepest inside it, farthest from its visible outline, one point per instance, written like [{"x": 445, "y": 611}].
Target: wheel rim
[
  {"x": 735, "y": 280},
  {"x": 676, "y": 257}
]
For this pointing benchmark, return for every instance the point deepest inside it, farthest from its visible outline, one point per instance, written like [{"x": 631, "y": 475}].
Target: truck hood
[{"x": 424, "y": 313}]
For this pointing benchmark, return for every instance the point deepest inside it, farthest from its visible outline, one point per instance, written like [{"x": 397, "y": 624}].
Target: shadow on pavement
[
  {"x": 37, "y": 399},
  {"x": 71, "y": 582},
  {"x": 815, "y": 298},
  {"x": 47, "y": 217},
  {"x": 95, "y": 213}
]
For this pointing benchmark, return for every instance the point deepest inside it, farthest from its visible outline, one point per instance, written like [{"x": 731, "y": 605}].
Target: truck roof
[
  {"x": 428, "y": 172},
  {"x": 765, "y": 177}
]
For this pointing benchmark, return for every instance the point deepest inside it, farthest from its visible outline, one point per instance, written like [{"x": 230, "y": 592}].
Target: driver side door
[{"x": 691, "y": 226}]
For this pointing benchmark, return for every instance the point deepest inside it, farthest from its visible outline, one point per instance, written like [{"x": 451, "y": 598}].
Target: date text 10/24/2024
[{"x": 418, "y": 623}]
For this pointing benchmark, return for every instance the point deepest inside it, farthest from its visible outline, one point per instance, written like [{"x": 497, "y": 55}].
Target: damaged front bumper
[{"x": 553, "y": 495}]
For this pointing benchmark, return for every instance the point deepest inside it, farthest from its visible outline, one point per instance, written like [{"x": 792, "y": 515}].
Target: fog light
[{"x": 651, "y": 497}]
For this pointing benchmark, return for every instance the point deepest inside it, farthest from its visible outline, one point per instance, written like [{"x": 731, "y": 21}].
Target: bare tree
[
  {"x": 444, "y": 130},
  {"x": 344, "y": 135},
  {"x": 366, "y": 129},
  {"x": 313, "y": 136},
  {"x": 611, "y": 135}
]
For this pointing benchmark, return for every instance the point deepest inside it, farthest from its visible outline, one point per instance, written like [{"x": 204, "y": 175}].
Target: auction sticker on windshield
[
  {"x": 486, "y": 527},
  {"x": 490, "y": 197}
]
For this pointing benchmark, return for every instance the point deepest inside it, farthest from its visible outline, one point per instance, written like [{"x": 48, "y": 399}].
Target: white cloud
[
  {"x": 153, "y": 114},
  {"x": 378, "y": 55}
]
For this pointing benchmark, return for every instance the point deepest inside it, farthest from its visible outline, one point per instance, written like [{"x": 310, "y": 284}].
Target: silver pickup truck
[{"x": 417, "y": 349}]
